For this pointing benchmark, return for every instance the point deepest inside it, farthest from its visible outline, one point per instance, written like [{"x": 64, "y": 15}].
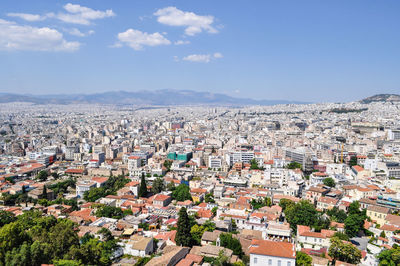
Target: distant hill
[
  {"x": 157, "y": 97},
  {"x": 382, "y": 98}
]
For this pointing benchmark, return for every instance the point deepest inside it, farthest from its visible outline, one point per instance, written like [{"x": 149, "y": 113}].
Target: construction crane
[{"x": 343, "y": 141}]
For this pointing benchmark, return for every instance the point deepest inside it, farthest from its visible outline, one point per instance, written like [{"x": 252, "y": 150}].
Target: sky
[{"x": 302, "y": 50}]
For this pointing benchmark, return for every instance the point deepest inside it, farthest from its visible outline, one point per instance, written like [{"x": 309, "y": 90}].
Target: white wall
[{"x": 262, "y": 260}]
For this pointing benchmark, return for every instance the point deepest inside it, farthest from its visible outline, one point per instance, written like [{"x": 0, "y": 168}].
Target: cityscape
[{"x": 135, "y": 175}]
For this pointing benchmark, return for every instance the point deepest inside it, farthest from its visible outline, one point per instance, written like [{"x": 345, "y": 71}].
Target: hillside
[{"x": 382, "y": 98}]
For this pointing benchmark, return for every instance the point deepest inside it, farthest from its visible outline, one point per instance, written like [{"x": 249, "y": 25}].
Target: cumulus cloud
[
  {"x": 28, "y": 38},
  {"x": 78, "y": 33},
  {"x": 194, "y": 23},
  {"x": 27, "y": 17},
  {"x": 77, "y": 14},
  {"x": 137, "y": 39},
  {"x": 202, "y": 58},
  {"x": 181, "y": 42}
]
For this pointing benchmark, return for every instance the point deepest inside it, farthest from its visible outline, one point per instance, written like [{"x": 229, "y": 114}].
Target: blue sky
[{"x": 337, "y": 50}]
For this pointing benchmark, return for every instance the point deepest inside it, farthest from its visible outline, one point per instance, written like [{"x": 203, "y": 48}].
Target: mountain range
[{"x": 164, "y": 97}]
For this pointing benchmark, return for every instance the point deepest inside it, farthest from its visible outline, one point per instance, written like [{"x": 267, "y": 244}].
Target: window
[
  {"x": 270, "y": 262},
  {"x": 255, "y": 260},
  {"x": 279, "y": 262},
  {"x": 289, "y": 263}
]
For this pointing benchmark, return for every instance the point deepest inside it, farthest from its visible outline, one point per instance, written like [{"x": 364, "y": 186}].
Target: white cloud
[
  {"x": 137, "y": 39},
  {"x": 202, "y": 58},
  {"x": 218, "y": 55},
  {"x": 21, "y": 37},
  {"x": 181, "y": 42},
  {"x": 27, "y": 17},
  {"x": 78, "y": 33},
  {"x": 77, "y": 14},
  {"x": 194, "y": 23}
]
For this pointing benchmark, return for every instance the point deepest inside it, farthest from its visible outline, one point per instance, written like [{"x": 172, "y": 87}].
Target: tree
[
  {"x": 285, "y": 203},
  {"x": 67, "y": 263},
  {"x": 294, "y": 165},
  {"x": 44, "y": 192},
  {"x": 183, "y": 236},
  {"x": 354, "y": 222},
  {"x": 254, "y": 164},
  {"x": 353, "y": 161},
  {"x": 209, "y": 198},
  {"x": 302, "y": 259},
  {"x": 383, "y": 234},
  {"x": 341, "y": 236},
  {"x": 171, "y": 186},
  {"x": 303, "y": 213},
  {"x": 143, "y": 187},
  {"x": 268, "y": 202},
  {"x": 337, "y": 215},
  {"x": 55, "y": 175},
  {"x": 345, "y": 252},
  {"x": 354, "y": 208},
  {"x": 232, "y": 243},
  {"x": 167, "y": 164},
  {"x": 109, "y": 211},
  {"x": 42, "y": 175},
  {"x": 158, "y": 185},
  {"x": 329, "y": 182},
  {"x": 389, "y": 257},
  {"x": 6, "y": 217},
  {"x": 182, "y": 193},
  {"x": 209, "y": 226},
  {"x": 197, "y": 232},
  {"x": 214, "y": 211}
]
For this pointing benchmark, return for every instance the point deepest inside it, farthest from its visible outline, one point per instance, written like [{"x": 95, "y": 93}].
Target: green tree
[
  {"x": 171, "y": 186},
  {"x": 182, "y": 193},
  {"x": 42, "y": 176},
  {"x": 232, "y": 243},
  {"x": 341, "y": 236},
  {"x": 19, "y": 256},
  {"x": 183, "y": 236},
  {"x": 302, "y": 213},
  {"x": 302, "y": 259},
  {"x": 268, "y": 202},
  {"x": 67, "y": 263},
  {"x": 345, "y": 252},
  {"x": 143, "y": 187},
  {"x": 353, "y": 224},
  {"x": 44, "y": 192},
  {"x": 55, "y": 175},
  {"x": 254, "y": 164},
  {"x": 286, "y": 203},
  {"x": 6, "y": 217},
  {"x": 389, "y": 257},
  {"x": 329, "y": 182},
  {"x": 353, "y": 161},
  {"x": 158, "y": 185},
  {"x": 197, "y": 232},
  {"x": 109, "y": 211},
  {"x": 209, "y": 226},
  {"x": 209, "y": 198},
  {"x": 214, "y": 211},
  {"x": 337, "y": 215},
  {"x": 294, "y": 165}
]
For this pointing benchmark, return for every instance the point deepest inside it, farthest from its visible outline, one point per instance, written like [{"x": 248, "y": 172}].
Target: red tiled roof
[{"x": 272, "y": 248}]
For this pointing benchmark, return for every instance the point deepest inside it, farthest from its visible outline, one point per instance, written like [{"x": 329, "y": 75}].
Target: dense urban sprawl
[{"x": 283, "y": 185}]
